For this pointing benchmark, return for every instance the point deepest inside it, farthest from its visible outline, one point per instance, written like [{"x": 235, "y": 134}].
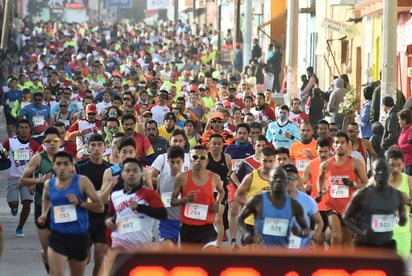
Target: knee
[
  {"x": 14, "y": 204},
  {"x": 233, "y": 212},
  {"x": 26, "y": 203},
  {"x": 336, "y": 237}
]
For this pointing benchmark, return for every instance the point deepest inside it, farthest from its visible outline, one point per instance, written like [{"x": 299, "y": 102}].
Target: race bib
[
  {"x": 275, "y": 227},
  {"x": 127, "y": 224},
  {"x": 38, "y": 120},
  {"x": 167, "y": 199},
  {"x": 301, "y": 164},
  {"x": 196, "y": 211},
  {"x": 235, "y": 163},
  {"x": 65, "y": 213},
  {"x": 339, "y": 191},
  {"x": 21, "y": 155},
  {"x": 294, "y": 241},
  {"x": 383, "y": 223}
]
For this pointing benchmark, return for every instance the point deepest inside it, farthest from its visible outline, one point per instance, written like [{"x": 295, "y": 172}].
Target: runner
[
  {"x": 273, "y": 211},
  {"x": 199, "y": 206},
  {"x": 372, "y": 212},
  {"x": 66, "y": 195}
]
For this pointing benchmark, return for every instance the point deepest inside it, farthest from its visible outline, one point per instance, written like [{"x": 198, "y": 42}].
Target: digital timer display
[{"x": 194, "y": 262}]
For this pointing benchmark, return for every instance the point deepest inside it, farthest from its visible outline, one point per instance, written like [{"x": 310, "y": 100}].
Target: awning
[
  {"x": 375, "y": 7},
  {"x": 273, "y": 20}
]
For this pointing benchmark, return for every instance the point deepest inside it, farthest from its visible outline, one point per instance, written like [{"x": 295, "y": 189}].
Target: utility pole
[
  {"x": 8, "y": 7},
  {"x": 388, "y": 82},
  {"x": 292, "y": 49},
  {"x": 247, "y": 45},
  {"x": 176, "y": 10}
]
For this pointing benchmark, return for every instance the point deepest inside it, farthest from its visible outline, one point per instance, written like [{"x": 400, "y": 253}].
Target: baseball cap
[
  {"x": 91, "y": 108},
  {"x": 35, "y": 78},
  {"x": 226, "y": 104},
  {"x": 231, "y": 87},
  {"x": 147, "y": 113},
  {"x": 217, "y": 115},
  {"x": 164, "y": 88},
  {"x": 170, "y": 115},
  {"x": 186, "y": 72},
  {"x": 193, "y": 88},
  {"x": 290, "y": 168}
]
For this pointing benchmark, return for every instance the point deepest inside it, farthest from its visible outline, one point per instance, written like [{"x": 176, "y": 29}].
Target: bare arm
[
  {"x": 306, "y": 177},
  {"x": 45, "y": 206},
  {"x": 109, "y": 181},
  {"x": 147, "y": 179},
  {"x": 217, "y": 183},
  {"x": 322, "y": 177},
  {"x": 240, "y": 194},
  {"x": 360, "y": 170},
  {"x": 317, "y": 219},
  {"x": 354, "y": 206},
  {"x": 88, "y": 189},
  {"x": 26, "y": 179},
  {"x": 298, "y": 213},
  {"x": 180, "y": 182},
  {"x": 154, "y": 174},
  {"x": 401, "y": 210},
  {"x": 252, "y": 206},
  {"x": 368, "y": 146}
]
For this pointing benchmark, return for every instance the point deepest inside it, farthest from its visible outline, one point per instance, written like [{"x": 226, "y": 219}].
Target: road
[{"x": 21, "y": 255}]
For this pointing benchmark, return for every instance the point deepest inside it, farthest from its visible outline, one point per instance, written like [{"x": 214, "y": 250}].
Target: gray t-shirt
[{"x": 166, "y": 185}]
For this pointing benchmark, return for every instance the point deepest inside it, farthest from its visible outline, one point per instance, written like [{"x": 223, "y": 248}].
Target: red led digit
[
  {"x": 239, "y": 271},
  {"x": 330, "y": 272},
  {"x": 149, "y": 271},
  {"x": 369, "y": 273},
  {"x": 188, "y": 271},
  {"x": 292, "y": 273}
]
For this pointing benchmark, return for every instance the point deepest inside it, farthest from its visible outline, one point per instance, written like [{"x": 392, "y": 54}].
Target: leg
[
  {"x": 100, "y": 250},
  {"x": 43, "y": 234},
  {"x": 13, "y": 191},
  {"x": 219, "y": 225},
  {"x": 347, "y": 236},
  {"x": 77, "y": 267},
  {"x": 25, "y": 211},
  {"x": 335, "y": 229},
  {"x": 167, "y": 243},
  {"x": 57, "y": 262},
  {"x": 233, "y": 213}
]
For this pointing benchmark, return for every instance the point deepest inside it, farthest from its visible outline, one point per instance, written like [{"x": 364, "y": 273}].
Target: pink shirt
[{"x": 405, "y": 144}]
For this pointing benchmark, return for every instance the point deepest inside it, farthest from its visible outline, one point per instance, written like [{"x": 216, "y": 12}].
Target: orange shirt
[
  {"x": 298, "y": 153},
  {"x": 338, "y": 194},
  {"x": 314, "y": 174}
]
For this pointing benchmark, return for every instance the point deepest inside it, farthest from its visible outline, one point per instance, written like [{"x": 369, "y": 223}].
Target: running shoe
[
  {"x": 19, "y": 232},
  {"x": 14, "y": 211}
]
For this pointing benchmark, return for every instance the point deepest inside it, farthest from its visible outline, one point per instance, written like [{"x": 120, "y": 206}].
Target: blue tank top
[
  {"x": 274, "y": 224},
  {"x": 63, "y": 212}
]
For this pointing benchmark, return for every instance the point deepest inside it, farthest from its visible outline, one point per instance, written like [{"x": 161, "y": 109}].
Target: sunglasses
[
  {"x": 38, "y": 99},
  {"x": 127, "y": 99},
  {"x": 67, "y": 93},
  {"x": 63, "y": 105},
  {"x": 113, "y": 113},
  {"x": 334, "y": 129},
  {"x": 92, "y": 114},
  {"x": 217, "y": 121},
  {"x": 293, "y": 177},
  {"x": 201, "y": 157},
  {"x": 55, "y": 140}
]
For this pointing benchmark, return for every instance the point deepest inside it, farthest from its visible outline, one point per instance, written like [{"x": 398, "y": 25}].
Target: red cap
[
  {"x": 193, "y": 88},
  {"x": 91, "y": 108},
  {"x": 174, "y": 74},
  {"x": 237, "y": 45},
  {"x": 217, "y": 115},
  {"x": 255, "y": 39},
  {"x": 226, "y": 104}
]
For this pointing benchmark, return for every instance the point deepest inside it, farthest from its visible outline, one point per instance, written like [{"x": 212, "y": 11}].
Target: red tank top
[
  {"x": 361, "y": 149},
  {"x": 198, "y": 212},
  {"x": 338, "y": 194},
  {"x": 314, "y": 174}
]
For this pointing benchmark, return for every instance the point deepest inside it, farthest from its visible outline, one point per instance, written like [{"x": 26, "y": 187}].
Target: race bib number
[
  {"x": 38, "y": 120},
  {"x": 339, "y": 191},
  {"x": 65, "y": 213},
  {"x": 128, "y": 224},
  {"x": 167, "y": 199},
  {"x": 301, "y": 164},
  {"x": 275, "y": 227},
  {"x": 294, "y": 241},
  {"x": 196, "y": 211},
  {"x": 383, "y": 223},
  {"x": 22, "y": 155}
]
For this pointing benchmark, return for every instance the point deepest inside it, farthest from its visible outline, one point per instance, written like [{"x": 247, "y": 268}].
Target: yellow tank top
[
  {"x": 257, "y": 186},
  {"x": 404, "y": 188}
]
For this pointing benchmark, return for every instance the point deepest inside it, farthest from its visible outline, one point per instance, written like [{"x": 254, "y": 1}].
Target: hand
[
  {"x": 347, "y": 182},
  {"x": 248, "y": 238},
  {"x": 132, "y": 204},
  {"x": 215, "y": 207},
  {"x": 73, "y": 199},
  {"x": 309, "y": 154},
  {"x": 45, "y": 177},
  {"x": 318, "y": 198},
  {"x": 190, "y": 197},
  {"x": 309, "y": 188},
  {"x": 110, "y": 224},
  {"x": 296, "y": 231},
  {"x": 287, "y": 135},
  {"x": 32, "y": 189},
  {"x": 114, "y": 180},
  {"x": 41, "y": 220}
]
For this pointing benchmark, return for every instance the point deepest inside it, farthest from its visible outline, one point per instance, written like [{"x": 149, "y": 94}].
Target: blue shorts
[{"x": 169, "y": 230}]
